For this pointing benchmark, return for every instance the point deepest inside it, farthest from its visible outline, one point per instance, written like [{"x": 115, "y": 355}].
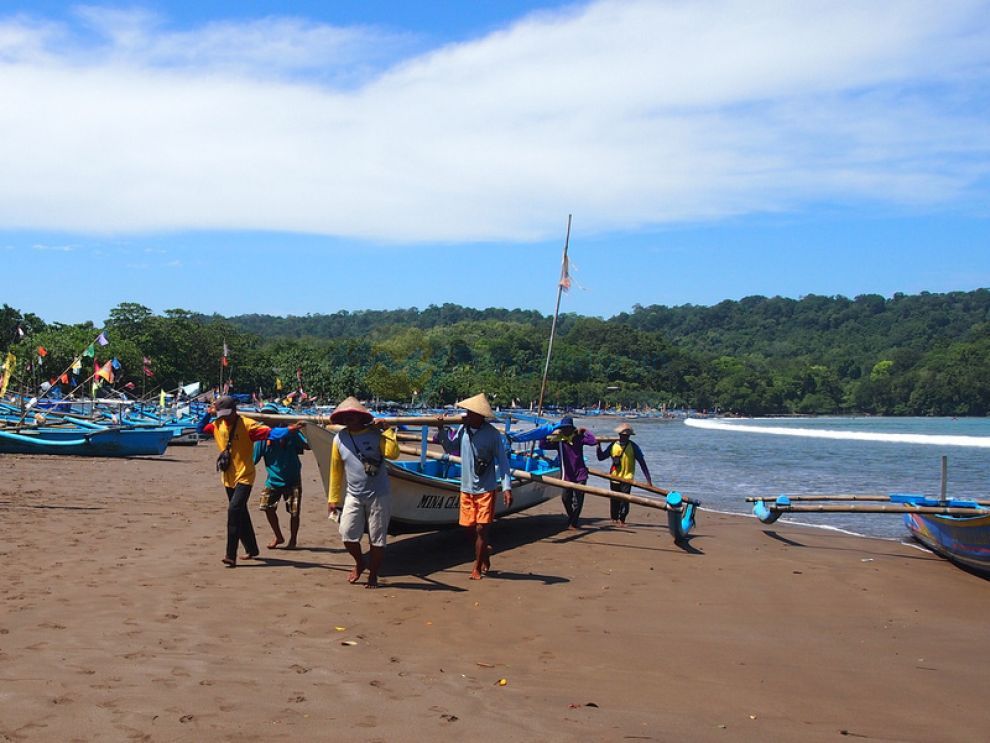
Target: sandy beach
[{"x": 120, "y": 623}]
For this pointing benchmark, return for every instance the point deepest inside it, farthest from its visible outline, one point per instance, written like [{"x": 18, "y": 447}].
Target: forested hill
[
  {"x": 364, "y": 322},
  {"x": 778, "y": 327},
  {"x": 926, "y": 354},
  {"x": 775, "y": 327}
]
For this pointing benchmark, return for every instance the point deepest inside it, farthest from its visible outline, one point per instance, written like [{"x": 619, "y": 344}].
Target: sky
[{"x": 312, "y": 157}]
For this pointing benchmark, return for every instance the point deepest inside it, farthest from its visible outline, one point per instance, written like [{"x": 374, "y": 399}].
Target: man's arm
[
  {"x": 502, "y": 460},
  {"x": 638, "y": 453},
  {"x": 336, "y": 489}
]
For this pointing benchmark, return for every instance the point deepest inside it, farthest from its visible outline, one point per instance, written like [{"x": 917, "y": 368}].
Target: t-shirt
[
  {"x": 347, "y": 467},
  {"x": 281, "y": 454}
]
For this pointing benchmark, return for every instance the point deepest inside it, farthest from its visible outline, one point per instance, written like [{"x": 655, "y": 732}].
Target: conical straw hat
[
  {"x": 625, "y": 427},
  {"x": 477, "y": 404},
  {"x": 350, "y": 405}
]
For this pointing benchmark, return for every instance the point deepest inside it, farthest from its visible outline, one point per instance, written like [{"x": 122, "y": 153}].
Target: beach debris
[
  {"x": 449, "y": 718},
  {"x": 502, "y": 682},
  {"x": 348, "y": 643},
  {"x": 752, "y": 717},
  {"x": 339, "y": 629},
  {"x": 484, "y": 665}
]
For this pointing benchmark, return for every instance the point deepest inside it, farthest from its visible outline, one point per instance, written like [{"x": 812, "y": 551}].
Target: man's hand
[
  {"x": 507, "y": 497},
  {"x": 297, "y": 426}
]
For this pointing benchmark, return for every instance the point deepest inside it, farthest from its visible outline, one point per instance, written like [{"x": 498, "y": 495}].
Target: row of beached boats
[
  {"x": 425, "y": 482},
  {"x": 91, "y": 428}
]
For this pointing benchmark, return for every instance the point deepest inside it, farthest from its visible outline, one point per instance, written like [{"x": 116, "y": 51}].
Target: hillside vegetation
[{"x": 926, "y": 354}]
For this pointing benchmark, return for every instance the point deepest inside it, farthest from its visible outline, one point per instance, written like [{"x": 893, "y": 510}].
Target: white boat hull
[{"x": 423, "y": 503}]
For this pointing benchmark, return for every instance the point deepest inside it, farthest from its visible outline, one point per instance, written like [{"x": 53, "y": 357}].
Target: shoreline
[{"x": 120, "y": 622}]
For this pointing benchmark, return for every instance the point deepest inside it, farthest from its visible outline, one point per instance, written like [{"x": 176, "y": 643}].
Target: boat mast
[{"x": 562, "y": 286}]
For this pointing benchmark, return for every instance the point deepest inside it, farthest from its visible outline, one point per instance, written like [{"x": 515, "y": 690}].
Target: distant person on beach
[
  {"x": 357, "y": 462},
  {"x": 481, "y": 450},
  {"x": 624, "y": 454},
  {"x": 281, "y": 453},
  {"x": 569, "y": 442},
  {"x": 234, "y": 435}
]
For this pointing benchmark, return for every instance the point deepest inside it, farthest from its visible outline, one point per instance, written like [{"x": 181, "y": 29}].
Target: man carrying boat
[
  {"x": 281, "y": 454},
  {"x": 569, "y": 442},
  {"x": 481, "y": 450},
  {"x": 357, "y": 462},
  {"x": 234, "y": 435},
  {"x": 624, "y": 454}
]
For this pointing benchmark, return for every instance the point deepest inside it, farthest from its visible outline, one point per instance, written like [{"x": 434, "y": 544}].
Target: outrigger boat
[
  {"x": 425, "y": 489},
  {"x": 955, "y": 528}
]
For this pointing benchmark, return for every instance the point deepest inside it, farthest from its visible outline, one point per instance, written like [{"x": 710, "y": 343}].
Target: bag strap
[{"x": 230, "y": 436}]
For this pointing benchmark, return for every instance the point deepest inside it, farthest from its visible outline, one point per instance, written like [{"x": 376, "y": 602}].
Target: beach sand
[{"x": 120, "y": 623}]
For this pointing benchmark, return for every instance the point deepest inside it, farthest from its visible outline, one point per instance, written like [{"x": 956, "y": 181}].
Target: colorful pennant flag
[
  {"x": 102, "y": 339},
  {"x": 147, "y": 361},
  {"x": 161, "y": 399},
  {"x": 148, "y": 372},
  {"x": 115, "y": 363},
  {"x": 42, "y": 351},
  {"x": 565, "y": 275},
  {"x": 77, "y": 365},
  {"x": 106, "y": 372},
  {"x": 20, "y": 332},
  {"x": 90, "y": 351},
  {"x": 64, "y": 379}
]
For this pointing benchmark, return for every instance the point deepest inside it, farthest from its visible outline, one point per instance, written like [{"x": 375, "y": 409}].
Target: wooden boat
[
  {"x": 965, "y": 540},
  {"x": 426, "y": 492},
  {"x": 86, "y": 442}
]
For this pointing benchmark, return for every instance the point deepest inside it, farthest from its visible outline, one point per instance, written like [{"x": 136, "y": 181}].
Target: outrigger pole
[
  {"x": 680, "y": 511},
  {"x": 562, "y": 286}
]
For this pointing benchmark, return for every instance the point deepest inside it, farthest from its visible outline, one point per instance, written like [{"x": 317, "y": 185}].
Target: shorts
[
  {"x": 477, "y": 509},
  {"x": 372, "y": 512},
  {"x": 270, "y": 497}
]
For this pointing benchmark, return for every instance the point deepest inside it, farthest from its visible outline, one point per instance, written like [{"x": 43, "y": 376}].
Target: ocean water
[{"x": 721, "y": 466}]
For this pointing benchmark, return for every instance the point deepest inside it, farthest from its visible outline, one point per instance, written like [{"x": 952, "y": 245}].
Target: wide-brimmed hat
[
  {"x": 350, "y": 405},
  {"x": 269, "y": 407},
  {"x": 225, "y": 406},
  {"x": 567, "y": 422},
  {"x": 625, "y": 428},
  {"x": 477, "y": 404}
]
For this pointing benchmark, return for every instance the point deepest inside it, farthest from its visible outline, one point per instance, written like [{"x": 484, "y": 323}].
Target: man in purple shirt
[{"x": 569, "y": 442}]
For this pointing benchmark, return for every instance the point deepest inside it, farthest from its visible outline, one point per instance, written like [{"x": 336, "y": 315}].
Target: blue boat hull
[
  {"x": 110, "y": 442},
  {"x": 964, "y": 540}
]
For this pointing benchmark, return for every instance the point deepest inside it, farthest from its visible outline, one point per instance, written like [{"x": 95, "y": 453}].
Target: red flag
[
  {"x": 129, "y": 386},
  {"x": 64, "y": 379},
  {"x": 225, "y": 361},
  {"x": 148, "y": 372},
  {"x": 42, "y": 352}
]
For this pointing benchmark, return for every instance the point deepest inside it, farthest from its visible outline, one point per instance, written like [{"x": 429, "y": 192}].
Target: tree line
[{"x": 925, "y": 354}]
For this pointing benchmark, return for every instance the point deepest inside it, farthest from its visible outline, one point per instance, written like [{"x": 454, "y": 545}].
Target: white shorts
[{"x": 373, "y": 513}]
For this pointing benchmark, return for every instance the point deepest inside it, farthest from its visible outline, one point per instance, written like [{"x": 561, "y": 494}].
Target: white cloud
[{"x": 625, "y": 113}]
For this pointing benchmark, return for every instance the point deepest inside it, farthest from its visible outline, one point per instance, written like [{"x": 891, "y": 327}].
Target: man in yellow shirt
[{"x": 624, "y": 454}]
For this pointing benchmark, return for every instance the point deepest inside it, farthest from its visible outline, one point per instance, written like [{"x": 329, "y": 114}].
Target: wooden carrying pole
[{"x": 324, "y": 420}]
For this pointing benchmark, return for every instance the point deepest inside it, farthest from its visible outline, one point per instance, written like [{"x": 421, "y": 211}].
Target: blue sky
[{"x": 233, "y": 157}]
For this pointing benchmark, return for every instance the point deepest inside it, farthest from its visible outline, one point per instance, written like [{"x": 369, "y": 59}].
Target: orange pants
[{"x": 477, "y": 509}]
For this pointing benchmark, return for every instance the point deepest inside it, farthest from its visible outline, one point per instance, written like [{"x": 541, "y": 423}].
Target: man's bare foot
[
  {"x": 249, "y": 556},
  {"x": 230, "y": 562},
  {"x": 276, "y": 541},
  {"x": 355, "y": 574},
  {"x": 291, "y": 545},
  {"x": 372, "y": 581},
  {"x": 476, "y": 574}
]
